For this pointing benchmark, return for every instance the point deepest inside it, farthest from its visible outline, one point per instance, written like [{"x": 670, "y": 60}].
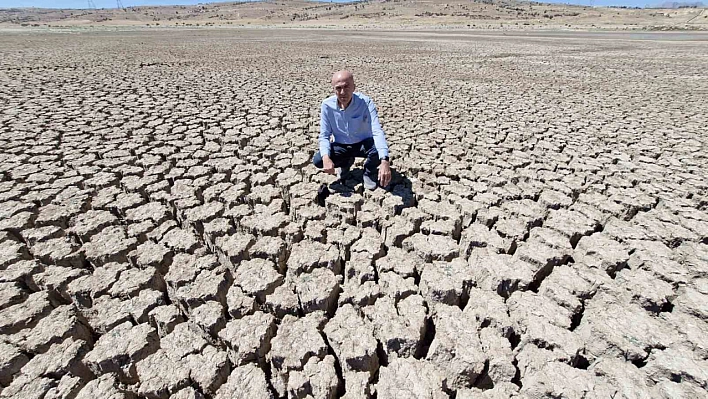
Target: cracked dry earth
[{"x": 544, "y": 236}]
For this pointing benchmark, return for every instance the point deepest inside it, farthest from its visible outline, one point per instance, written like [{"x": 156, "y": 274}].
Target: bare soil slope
[{"x": 380, "y": 13}]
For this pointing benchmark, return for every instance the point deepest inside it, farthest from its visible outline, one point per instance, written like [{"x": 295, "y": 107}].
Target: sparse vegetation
[{"x": 392, "y": 13}]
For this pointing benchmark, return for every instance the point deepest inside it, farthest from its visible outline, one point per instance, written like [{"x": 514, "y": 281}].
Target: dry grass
[{"x": 394, "y": 14}]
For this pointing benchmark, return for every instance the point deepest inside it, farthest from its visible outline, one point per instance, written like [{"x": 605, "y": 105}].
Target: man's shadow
[{"x": 400, "y": 186}]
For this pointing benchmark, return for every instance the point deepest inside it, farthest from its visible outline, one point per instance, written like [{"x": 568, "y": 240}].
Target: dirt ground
[{"x": 545, "y": 234}]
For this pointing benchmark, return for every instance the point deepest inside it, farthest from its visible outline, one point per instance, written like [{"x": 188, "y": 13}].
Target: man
[{"x": 352, "y": 119}]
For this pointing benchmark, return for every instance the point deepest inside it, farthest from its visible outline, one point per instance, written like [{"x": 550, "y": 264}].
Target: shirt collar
[{"x": 349, "y": 106}]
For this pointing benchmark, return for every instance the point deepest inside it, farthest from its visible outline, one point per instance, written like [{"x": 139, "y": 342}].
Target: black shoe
[{"x": 322, "y": 194}]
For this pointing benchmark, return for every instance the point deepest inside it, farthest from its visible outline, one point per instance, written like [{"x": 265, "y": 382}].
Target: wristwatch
[{"x": 386, "y": 158}]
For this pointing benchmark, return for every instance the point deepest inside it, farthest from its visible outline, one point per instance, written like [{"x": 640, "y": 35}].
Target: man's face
[{"x": 344, "y": 88}]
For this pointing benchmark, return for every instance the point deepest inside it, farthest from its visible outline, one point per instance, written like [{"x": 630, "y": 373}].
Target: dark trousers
[{"x": 343, "y": 155}]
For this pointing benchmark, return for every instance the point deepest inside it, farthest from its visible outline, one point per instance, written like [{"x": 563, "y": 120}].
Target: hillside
[{"x": 397, "y": 14}]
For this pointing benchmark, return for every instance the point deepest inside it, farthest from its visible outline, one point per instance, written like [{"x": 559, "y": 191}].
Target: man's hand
[
  {"x": 384, "y": 173},
  {"x": 327, "y": 165}
]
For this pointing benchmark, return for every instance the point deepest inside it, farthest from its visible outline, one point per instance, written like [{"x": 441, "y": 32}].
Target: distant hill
[
  {"x": 390, "y": 14},
  {"x": 680, "y": 4}
]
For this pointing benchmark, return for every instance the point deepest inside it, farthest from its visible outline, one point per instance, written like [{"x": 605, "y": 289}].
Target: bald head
[
  {"x": 342, "y": 75},
  {"x": 343, "y": 86}
]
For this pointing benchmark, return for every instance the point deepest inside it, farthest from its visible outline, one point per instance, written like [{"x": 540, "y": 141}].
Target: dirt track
[{"x": 545, "y": 234}]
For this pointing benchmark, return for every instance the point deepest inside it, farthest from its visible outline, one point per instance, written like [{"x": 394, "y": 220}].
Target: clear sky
[{"x": 128, "y": 3}]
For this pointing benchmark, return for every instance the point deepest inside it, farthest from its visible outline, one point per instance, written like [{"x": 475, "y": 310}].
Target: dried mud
[{"x": 544, "y": 235}]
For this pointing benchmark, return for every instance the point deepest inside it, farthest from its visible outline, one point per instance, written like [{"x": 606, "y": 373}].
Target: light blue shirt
[{"x": 359, "y": 121}]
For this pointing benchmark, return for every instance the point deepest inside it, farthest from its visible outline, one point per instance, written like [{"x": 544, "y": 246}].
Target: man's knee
[
  {"x": 372, "y": 162},
  {"x": 372, "y": 157},
  {"x": 370, "y": 149},
  {"x": 317, "y": 160}
]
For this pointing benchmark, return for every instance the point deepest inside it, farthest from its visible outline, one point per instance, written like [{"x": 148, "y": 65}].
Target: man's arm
[
  {"x": 377, "y": 131},
  {"x": 325, "y": 131},
  {"x": 324, "y": 143},
  {"x": 381, "y": 145}
]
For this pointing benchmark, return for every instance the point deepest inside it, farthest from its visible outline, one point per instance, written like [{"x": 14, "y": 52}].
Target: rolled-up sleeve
[
  {"x": 325, "y": 131},
  {"x": 377, "y": 131}
]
